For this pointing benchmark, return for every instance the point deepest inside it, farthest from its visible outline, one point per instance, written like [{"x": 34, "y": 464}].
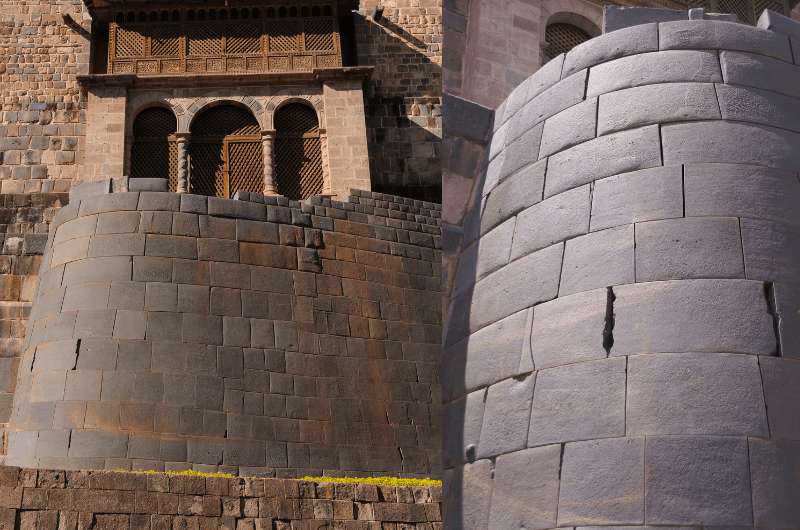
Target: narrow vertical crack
[
  {"x": 608, "y": 330},
  {"x": 772, "y": 305}
]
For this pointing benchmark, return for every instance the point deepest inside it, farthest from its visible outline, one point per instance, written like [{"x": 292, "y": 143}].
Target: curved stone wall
[
  {"x": 622, "y": 346},
  {"x": 259, "y": 336}
]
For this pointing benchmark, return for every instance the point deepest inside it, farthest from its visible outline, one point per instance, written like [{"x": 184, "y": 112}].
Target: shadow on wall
[{"x": 403, "y": 107}]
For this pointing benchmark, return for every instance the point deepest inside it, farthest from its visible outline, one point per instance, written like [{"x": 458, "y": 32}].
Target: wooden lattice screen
[
  {"x": 226, "y": 153},
  {"x": 237, "y": 39},
  {"x": 746, "y": 11},
  {"x": 561, "y": 38},
  {"x": 154, "y": 153},
  {"x": 298, "y": 152}
]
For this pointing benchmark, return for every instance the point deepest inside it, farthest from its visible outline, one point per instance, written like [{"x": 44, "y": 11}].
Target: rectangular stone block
[
  {"x": 774, "y": 467},
  {"x": 493, "y": 249},
  {"x": 758, "y": 106},
  {"x": 150, "y": 269},
  {"x": 520, "y": 153},
  {"x": 171, "y": 246},
  {"x": 770, "y": 250},
  {"x": 611, "y": 45},
  {"x": 551, "y": 221},
  {"x": 86, "y": 296},
  {"x": 203, "y": 329},
  {"x": 569, "y": 127},
  {"x": 506, "y": 415},
  {"x": 194, "y": 298},
  {"x": 117, "y": 222},
  {"x": 149, "y": 200},
  {"x": 185, "y": 224},
  {"x": 713, "y": 35},
  {"x": 697, "y": 480},
  {"x": 235, "y": 275},
  {"x": 598, "y": 259},
  {"x": 462, "y": 427},
  {"x": 467, "y": 494},
  {"x": 98, "y": 270},
  {"x": 704, "y": 311},
  {"x": 226, "y": 301},
  {"x": 578, "y": 402},
  {"x": 513, "y": 195},
  {"x": 98, "y": 444},
  {"x": 655, "y": 193},
  {"x": 218, "y": 249},
  {"x": 782, "y": 396},
  {"x": 616, "y": 18},
  {"x": 79, "y": 227},
  {"x": 602, "y": 157},
  {"x": 130, "y": 325},
  {"x": 256, "y": 232},
  {"x": 700, "y": 247},
  {"x": 126, "y": 295},
  {"x": 672, "y": 66}
]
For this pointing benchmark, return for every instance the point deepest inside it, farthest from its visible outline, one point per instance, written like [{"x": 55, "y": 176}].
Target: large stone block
[
  {"x": 513, "y": 195},
  {"x": 598, "y": 259},
  {"x": 729, "y": 142},
  {"x": 661, "y": 103},
  {"x": 739, "y": 103},
  {"x": 493, "y": 249},
  {"x": 771, "y": 250},
  {"x": 728, "y": 316},
  {"x": 98, "y": 444},
  {"x": 697, "y": 481},
  {"x": 715, "y": 35},
  {"x": 695, "y": 394},
  {"x": 505, "y": 418},
  {"x": 555, "y": 219},
  {"x": 570, "y": 127},
  {"x": 700, "y": 247},
  {"x": 569, "y": 329},
  {"x": 655, "y": 193},
  {"x": 461, "y": 430},
  {"x": 579, "y": 401},
  {"x": 602, "y": 157},
  {"x": 525, "y": 493},
  {"x": 602, "y": 483},
  {"x": 467, "y": 496},
  {"x": 616, "y": 18},
  {"x": 612, "y": 45},
  {"x": 775, "y": 468},
  {"x": 781, "y": 379},
  {"x": 520, "y": 153},
  {"x": 673, "y": 66}
]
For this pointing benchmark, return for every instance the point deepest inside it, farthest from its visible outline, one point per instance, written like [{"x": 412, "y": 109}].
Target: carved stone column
[
  {"x": 182, "y": 140},
  {"x": 268, "y": 142},
  {"x": 326, "y": 165}
]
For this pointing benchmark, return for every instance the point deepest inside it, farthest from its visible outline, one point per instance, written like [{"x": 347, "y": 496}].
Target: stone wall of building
[
  {"x": 622, "y": 342},
  {"x": 81, "y": 500},
  {"x": 404, "y": 96},
  {"x": 255, "y": 336}
]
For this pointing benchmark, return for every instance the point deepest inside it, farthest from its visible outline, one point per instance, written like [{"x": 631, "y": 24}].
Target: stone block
[
  {"x": 163, "y": 326},
  {"x": 714, "y": 35},
  {"x": 148, "y": 184},
  {"x": 660, "y": 103},
  {"x": 236, "y": 331},
  {"x": 697, "y": 481},
  {"x": 774, "y": 468},
  {"x": 130, "y": 325},
  {"x": 117, "y": 386},
  {"x": 467, "y": 495},
  {"x": 150, "y": 269},
  {"x": 171, "y": 246},
  {"x": 233, "y": 275},
  {"x": 79, "y": 227},
  {"x": 564, "y": 94},
  {"x": 655, "y": 193},
  {"x": 692, "y": 316},
  {"x": 98, "y": 444},
  {"x": 758, "y": 106},
  {"x": 83, "y": 385},
  {"x": 226, "y": 301},
  {"x": 671, "y": 66},
  {"x": 134, "y": 356},
  {"x": 602, "y": 483},
  {"x": 256, "y": 232},
  {"x": 598, "y": 259},
  {"x": 461, "y": 431},
  {"x": 161, "y": 296},
  {"x": 578, "y": 402},
  {"x": 521, "y": 152},
  {"x": 569, "y": 127},
  {"x": 493, "y": 249},
  {"x": 126, "y": 295},
  {"x": 94, "y": 323},
  {"x": 86, "y": 296},
  {"x": 47, "y": 385},
  {"x": 108, "y": 203},
  {"x": 700, "y": 247},
  {"x": 194, "y": 203},
  {"x": 730, "y": 142},
  {"x": 203, "y": 329},
  {"x": 185, "y": 224},
  {"x": 602, "y": 157},
  {"x": 739, "y": 190},
  {"x": 618, "y": 18},
  {"x": 553, "y": 220},
  {"x": 525, "y": 490},
  {"x": 782, "y": 396},
  {"x": 611, "y": 45},
  {"x": 97, "y": 354},
  {"x": 505, "y": 418},
  {"x": 193, "y": 298},
  {"x": 149, "y": 200},
  {"x": 191, "y": 272},
  {"x": 98, "y": 270},
  {"x": 770, "y": 250},
  {"x": 218, "y": 249},
  {"x": 664, "y": 396},
  {"x": 513, "y": 195}
]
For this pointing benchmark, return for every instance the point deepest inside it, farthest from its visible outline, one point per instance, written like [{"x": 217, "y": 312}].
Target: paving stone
[
  {"x": 705, "y": 311},
  {"x": 602, "y": 157},
  {"x": 713, "y": 35},
  {"x": 648, "y": 194},
  {"x": 686, "y": 143},
  {"x": 599, "y": 259},
  {"x": 569, "y": 127},
  {"x": 555, "y": 219},
  {"x": 782, "y": 396},
  {"x": 505, "y": 418},
  {"x": 578, "y": 402},
  {"x": 741, "y": 190},
  {"x": 707, "y": 247},
  {"x": 612, "y": 45},
  {"x": 697, "y": 481},
  {"x": 462, "y": 428},
  {"x": 671, "y": 66},
  {"x": 770, "y": 250},
  {"x": 695, "y": 394},
  {"x": 513, "y": 195},
  {"x": 533, "y": 506},
  {"x": 602, "y": 482},
  {"x": 774, "y": 468}
]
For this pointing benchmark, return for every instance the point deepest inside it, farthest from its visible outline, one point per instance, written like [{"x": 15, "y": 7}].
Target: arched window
[
  {"x": 561, "y": 38},
  {"x": 298, "y": 153},
  {"x": 154, "y": 153},
  {"x": 226, "y": 152}
]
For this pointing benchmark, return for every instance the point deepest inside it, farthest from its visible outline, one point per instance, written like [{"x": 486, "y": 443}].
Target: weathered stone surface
[
  {"x": 758, "y": 106},
  {"x": 615, "y": 18},
  {"x": 660, "y": 103},
  {"x": 569, "y": 329},
  {"x": 468, "y": 497},
  {"x": 525, "y": 493},
  {"x": 672, "y": 66},
  {"x": 697, "y": 481},
  {"x": 564, "y": 94},
  {"x": 655, "y": 193},
  {"x": 782, "y": 396},
  {"x": 569, "y": 127},
  {"x": 612, "y": 44},
  {"x": 674, "y": 249},
  {"x": 521, "y": 152},
  {"x": 602, "y": 482},
  {"x": 578, "y": 402},
  {"x": 749, "y": 69},
  {"x": 493, "y": 249},
  {"x": 774, "y": 468},
  {"x": 598, "y": 259},
  {"x": 695, "y": 394},
  {"x": 513, "y": 195},
  {"x": 714, "y": 35},
  {"x": 552, "y": 220},
  {"x": 505, "y": 418},
  {"x": 729, "y": 316},
  {"x": 602, "y": 157},
  {"x": 461, "y": 431},
  {"x": 770, "y": 250}
]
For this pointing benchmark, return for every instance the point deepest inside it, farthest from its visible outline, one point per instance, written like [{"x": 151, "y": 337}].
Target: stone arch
[
  {"x": 198, "y": 106},
  {"x": 146, "y": 100},
  {"x": 583, "y": 15},
  {"x": 276, "y": 102}
]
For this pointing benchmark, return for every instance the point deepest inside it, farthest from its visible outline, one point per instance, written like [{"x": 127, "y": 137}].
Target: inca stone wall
[
  {"x": 255, "y": 336},
  {"x": 80, "y": 500},
  {"x": 622, "y": 342}
]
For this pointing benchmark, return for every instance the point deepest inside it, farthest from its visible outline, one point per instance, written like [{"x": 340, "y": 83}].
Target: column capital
[{"x": 268, "y": 134}]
